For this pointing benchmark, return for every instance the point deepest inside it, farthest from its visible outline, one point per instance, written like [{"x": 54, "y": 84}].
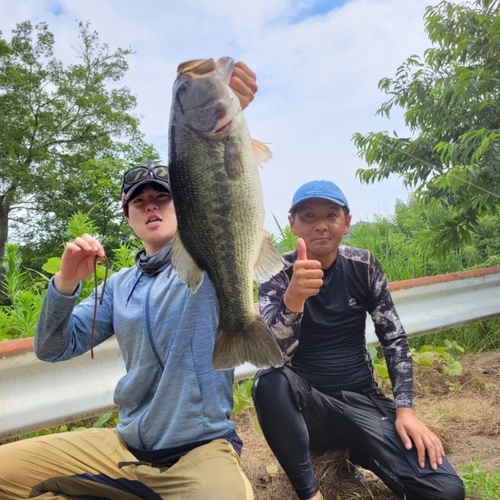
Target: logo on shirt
[{"x": 352, "y": 302}]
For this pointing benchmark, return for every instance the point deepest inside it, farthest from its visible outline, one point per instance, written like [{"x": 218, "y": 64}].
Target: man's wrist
[
  {"x": 405, "y": 411},
  {"x": 293, "y": 304}
]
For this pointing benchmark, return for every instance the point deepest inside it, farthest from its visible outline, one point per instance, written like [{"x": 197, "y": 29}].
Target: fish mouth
[
  {"x": 223, "y": 128},
  {"x": 201, "y": 68},
  {"x": 197, "y": 67}
]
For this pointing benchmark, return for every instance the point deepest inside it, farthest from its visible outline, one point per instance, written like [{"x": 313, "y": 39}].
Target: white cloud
[{"x": 317, "y": 77}]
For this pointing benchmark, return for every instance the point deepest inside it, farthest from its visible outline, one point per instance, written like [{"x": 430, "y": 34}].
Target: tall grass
[
  {"x": 400, "y": 257},
  {"x": 476, "y": 337},
  {"x": 23, "y": 289},
  {"x": 397, "y": 244}
]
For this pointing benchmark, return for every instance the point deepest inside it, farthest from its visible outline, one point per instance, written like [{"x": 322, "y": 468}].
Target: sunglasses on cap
[{"x": 142, "y": 174}]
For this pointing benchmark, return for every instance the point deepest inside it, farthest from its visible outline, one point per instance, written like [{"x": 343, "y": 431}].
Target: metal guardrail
[{"x": 35, "y": 395}]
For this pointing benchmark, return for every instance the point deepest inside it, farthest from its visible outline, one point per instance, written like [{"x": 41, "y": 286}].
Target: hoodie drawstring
[{"x": 133, "y": 288}]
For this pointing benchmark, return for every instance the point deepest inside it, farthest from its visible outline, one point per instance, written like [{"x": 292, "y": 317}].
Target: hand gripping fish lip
[{"x": 200, "y": 68}]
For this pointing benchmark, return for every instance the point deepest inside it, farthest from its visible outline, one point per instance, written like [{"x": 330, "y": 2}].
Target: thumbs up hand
[{"x": 306, "y": 281}]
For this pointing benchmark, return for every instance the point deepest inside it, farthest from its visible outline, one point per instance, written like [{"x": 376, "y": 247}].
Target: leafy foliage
[
  {"x": 19, "y": 318},
  {"x": 452, "y": 107},
  {"x": 242, "y": 395},
  {"x": 285, "y": 240},
  {"x": 25, "y": 289},
  {"x": 14, "y": 278},
  {"x": 441, "y": 357},
  {"x": 66, "y": 134}
]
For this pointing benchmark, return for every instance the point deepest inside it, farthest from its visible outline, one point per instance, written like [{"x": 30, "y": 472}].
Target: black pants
[{"x": 296, "y": 418}]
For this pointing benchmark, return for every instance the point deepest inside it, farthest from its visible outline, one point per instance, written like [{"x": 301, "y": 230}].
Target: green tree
[
  {"x": 66, "y": 133},
  {"x": 451, "y": 104}
]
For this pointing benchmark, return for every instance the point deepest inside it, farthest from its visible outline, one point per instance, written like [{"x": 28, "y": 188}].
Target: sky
[{"x": 318, "y": 63}]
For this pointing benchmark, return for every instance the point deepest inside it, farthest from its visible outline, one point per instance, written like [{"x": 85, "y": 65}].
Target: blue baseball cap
[{"x": 319, "y": 189}]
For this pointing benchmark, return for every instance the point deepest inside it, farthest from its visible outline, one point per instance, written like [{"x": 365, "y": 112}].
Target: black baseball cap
[{"x": 148, "y": 172}]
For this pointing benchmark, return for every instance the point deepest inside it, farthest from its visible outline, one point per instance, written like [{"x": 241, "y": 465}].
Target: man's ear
[
  {"x": 347, "y": 223},
  {"x": 291, "y": 221}
]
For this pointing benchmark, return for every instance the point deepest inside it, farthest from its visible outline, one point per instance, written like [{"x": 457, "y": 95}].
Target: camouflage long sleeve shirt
[{"x": 327, "y": 342}]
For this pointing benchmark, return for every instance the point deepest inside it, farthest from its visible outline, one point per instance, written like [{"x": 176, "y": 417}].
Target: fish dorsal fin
[
  {"x": 261, "y": 152},
  {"x": 184, "y": 265},
  {"x": 269, "y": 263}
]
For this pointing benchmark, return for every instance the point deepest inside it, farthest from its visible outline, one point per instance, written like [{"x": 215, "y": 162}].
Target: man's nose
[{"x": 321, "y": 225}]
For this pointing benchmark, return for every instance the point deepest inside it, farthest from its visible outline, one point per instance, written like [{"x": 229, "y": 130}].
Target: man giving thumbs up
[
  {"x": 307, "y": 280},
  {"x": 326, "y": 396}
]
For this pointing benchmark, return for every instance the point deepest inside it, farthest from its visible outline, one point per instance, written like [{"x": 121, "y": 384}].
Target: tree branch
[
  {"x": 76, "y": 139},
  {"x": 24, "y": 207},
  {"x": 9, "y": 190}
]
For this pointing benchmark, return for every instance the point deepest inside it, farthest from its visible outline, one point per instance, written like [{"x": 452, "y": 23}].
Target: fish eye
[{"x": 183, "y": 87}]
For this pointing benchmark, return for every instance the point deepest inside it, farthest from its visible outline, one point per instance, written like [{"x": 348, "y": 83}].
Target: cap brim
[
  {"x": 126, "y": 198},
  {"x": 334, "y": 200}
]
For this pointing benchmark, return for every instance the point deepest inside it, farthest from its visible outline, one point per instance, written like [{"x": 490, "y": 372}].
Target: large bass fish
[{"x": 213, "y": 167}]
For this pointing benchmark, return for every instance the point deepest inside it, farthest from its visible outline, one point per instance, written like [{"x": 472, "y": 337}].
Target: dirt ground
[{"x": 464, "y": 411}]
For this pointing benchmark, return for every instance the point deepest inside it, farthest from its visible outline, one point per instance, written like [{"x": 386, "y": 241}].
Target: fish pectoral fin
[
  {"x": 233, "y": 160},
  {"x": 269, "y": 263},
  {"x": 261, "y": 152},
  {"x": 184, "y": 265}
]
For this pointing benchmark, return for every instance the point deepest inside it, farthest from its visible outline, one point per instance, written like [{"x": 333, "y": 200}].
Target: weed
[{"x": 482, "y": 484}]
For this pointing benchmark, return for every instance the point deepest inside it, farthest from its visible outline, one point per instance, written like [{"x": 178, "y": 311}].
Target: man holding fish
[
  {"x": 325, "y": 396},
  {"x": 175, "y": 439}
]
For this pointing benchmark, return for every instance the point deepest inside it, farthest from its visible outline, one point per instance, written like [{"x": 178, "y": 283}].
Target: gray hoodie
[{"x": 170, "y": 395}]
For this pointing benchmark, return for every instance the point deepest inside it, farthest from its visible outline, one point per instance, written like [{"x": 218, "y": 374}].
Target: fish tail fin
[{"x": 255, "y": 344}]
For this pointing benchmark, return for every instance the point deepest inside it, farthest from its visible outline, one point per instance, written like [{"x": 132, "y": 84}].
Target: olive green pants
[{"x": 95, "y": 464}]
